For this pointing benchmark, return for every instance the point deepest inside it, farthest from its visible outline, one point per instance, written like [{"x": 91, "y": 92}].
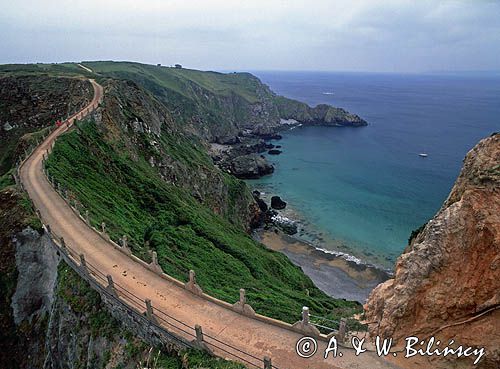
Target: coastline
[
  {"x": 333, "y": 274},
  {"x": 339, "y": 274}
]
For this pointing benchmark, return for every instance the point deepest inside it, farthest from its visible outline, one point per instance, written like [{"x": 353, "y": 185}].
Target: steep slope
[
  {"x": 135, "y": 123},
  {"x": 450, "y": 273},
  {"x": 108, "y": 169}
]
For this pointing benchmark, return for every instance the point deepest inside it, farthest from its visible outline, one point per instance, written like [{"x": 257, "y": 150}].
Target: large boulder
[
  {"x": 261, "y": 203},
  {"x": 277, "y": 203}
]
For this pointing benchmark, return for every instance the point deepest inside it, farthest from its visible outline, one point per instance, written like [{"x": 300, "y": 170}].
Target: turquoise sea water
[{"x": 363, "y": 190}]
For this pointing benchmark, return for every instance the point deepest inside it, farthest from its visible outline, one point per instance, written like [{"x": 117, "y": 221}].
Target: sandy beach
[{"x": 333, "y": 274}]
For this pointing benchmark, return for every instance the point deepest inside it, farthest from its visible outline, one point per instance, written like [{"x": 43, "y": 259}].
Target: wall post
[
  {"x": 199, "y": 340},
  {"x": 154, "y": 266},
  {"x": 111, "y": 286},
  {"x": 149, "y": 311},
  {"x": 83, "y": 264},
  {"x": 342, "y": 330},
  {"x": 63, "y": 244},
  {"x": 125, "y": 247},
  {"x": 267, "y": 363},
  {"x": 305, "y": 315},
  {"x": 241, "y": 306},
  {"x": 199, "y": 333},
  {"x": 304, "y": 326},
  {"x": 191, "y": 285}
]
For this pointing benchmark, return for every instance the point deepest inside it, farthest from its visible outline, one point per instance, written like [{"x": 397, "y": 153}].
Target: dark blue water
[{"x": 365, "y": 189}]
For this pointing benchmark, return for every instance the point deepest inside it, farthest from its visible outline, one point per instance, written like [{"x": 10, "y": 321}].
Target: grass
[
  {"x": 31, "y": 218},
  {"x": 53, "y": 69},
  {"x": 131, "y": 198},
  {"x": 83, "y": 300},
  {"x": 183, "y": 80}
]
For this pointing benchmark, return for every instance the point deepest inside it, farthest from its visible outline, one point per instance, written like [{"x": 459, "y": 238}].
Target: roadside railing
[{"x": 173, "y": 330}]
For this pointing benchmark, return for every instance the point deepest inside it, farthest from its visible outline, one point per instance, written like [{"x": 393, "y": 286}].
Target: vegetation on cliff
[{"x": 131, "y": 198}]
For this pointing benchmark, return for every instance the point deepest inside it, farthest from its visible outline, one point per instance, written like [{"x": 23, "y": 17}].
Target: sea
[{"x": 361, "y": 191}]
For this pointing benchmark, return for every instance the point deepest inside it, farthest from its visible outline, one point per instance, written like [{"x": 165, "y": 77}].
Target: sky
[{"x": 323, "y": 35}]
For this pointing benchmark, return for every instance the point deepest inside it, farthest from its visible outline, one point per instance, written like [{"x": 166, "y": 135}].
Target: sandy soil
[{"x": 334, "y": 275}]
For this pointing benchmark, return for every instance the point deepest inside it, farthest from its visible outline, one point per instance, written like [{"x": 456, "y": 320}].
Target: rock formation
[
  {"x": 447, "y": 282},
  {"x": 277, "y": 203},
  {"x": 250, "y": 167}
]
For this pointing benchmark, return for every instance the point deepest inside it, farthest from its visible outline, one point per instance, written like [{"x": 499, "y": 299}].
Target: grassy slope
[
  {"x": 62, "y": 69},
  {"x": 131, "y": 198},
  {"x": 243, "y": 84},
  {"x": 179, "y": 79},
  {"x": 216, "y": 101}
]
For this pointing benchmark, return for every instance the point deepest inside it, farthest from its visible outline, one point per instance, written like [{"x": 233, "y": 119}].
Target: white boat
[
  {"x": 423, "y": 155},
  {"x": 327, "y": 93}
]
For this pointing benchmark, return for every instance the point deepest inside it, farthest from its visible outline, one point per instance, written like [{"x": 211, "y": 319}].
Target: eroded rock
[{"x": 450, "y": 272}]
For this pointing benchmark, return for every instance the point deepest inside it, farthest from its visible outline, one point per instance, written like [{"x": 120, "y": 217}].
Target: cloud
[{"x": 260, "y": 34}]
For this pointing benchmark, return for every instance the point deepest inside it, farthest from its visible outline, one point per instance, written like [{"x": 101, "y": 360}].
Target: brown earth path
[{"x": 250, "y": 335}]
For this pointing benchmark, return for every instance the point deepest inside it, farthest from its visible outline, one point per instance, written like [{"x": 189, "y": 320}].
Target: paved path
[{"x": 253, "y": 336}]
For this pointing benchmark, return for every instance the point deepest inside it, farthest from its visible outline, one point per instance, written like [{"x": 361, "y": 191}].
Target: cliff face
[
  {"x": 217, "y": 106},
  {"x": 450, "y": 272},
  {"x": 30, "y": 103},
  {"x": 137, "y": 124}
]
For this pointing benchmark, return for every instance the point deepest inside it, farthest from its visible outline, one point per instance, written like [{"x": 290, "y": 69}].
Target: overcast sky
[{"x": 363, "y": 35}]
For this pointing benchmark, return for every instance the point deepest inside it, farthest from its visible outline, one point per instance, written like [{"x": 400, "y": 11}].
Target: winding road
[{"x": 256, "y": 337}]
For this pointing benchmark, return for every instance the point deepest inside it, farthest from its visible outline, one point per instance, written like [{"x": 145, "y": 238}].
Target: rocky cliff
[
  {"x": 29, "y": 103},
  {"x": 447, "y": 282},
  {"x": 135, "y": 123},
  {"x": 221, "y": 106}
]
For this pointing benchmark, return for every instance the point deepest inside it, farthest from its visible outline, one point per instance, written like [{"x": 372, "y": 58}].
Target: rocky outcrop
[
  {"x": 36, "y": 101},
  {"x": 287, "y": 225},
  {"x": 274, "y": 152},
  {"x": 277, "y": 203},
  {"x": 144, "y": 127},
  {"x": 325, "y": 115},
  {"x": 260, "y": 202},
  {"x": 250, "y": 167},
  {"x": 36, "y": 262},
  {"x": 29, "y": 103},
  {"x": 447, "y": 283}
]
